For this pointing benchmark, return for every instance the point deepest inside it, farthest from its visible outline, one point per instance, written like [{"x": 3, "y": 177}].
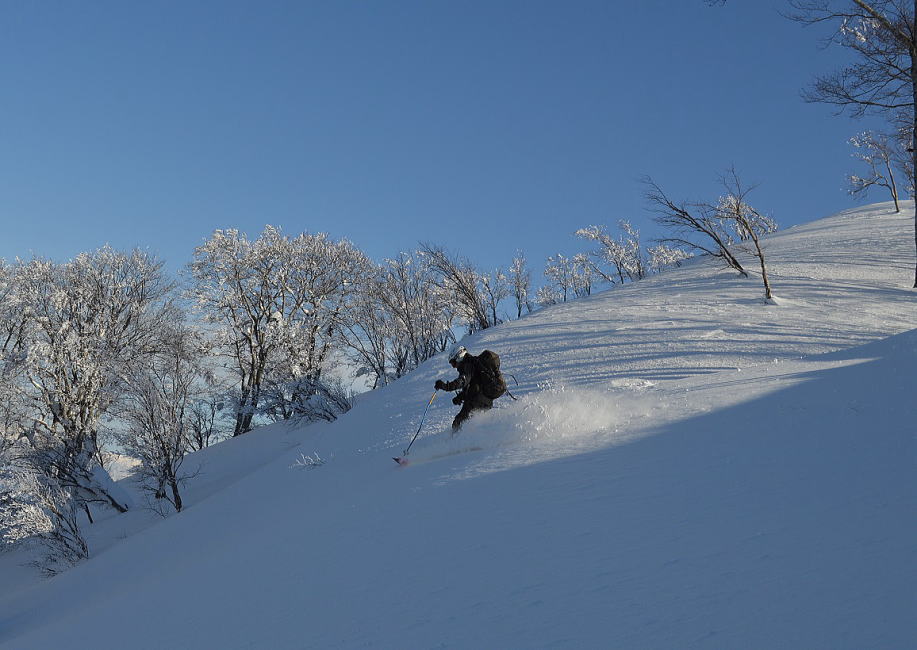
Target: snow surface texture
[{"x": 686, "y": 467}]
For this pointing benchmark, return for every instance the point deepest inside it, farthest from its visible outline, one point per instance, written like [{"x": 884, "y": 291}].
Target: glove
[{"x": 439, "y": 385}]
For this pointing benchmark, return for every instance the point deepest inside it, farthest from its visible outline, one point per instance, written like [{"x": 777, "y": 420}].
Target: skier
[{"x": 479, "y": 382}]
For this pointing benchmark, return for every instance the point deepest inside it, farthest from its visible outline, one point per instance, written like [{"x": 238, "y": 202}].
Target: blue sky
[{"x": 484, "y": 126}]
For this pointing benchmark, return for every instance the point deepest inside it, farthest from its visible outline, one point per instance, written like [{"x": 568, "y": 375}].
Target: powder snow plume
[{"x": 554, "y": 422}]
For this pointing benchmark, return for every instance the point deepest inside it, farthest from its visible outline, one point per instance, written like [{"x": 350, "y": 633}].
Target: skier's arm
[{"x": 461, "y": 382}]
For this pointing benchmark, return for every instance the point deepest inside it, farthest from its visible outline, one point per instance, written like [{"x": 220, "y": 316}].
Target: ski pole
[
  {"x": 515, "y": 399},
  {"x": 422, "y": 418}
]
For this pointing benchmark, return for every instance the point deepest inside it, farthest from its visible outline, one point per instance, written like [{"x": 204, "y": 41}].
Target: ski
[{"x": 403, "y": 462}]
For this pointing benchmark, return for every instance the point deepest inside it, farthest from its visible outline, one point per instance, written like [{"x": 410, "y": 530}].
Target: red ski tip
[{"x": 400, "y": 461}]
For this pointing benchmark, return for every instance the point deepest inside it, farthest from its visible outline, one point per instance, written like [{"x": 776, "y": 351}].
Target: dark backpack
[{"x": 492, "y": 383}]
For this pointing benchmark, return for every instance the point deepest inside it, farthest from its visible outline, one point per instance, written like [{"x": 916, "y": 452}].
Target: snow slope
[{"x": 686, "y": 467}]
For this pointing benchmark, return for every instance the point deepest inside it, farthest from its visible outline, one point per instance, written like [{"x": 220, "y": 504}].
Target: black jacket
[{"x": 469, "y": 382}]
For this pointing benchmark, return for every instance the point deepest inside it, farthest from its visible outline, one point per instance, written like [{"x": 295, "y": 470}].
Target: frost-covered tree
[
  {"x": 461, "y": 281},
  {"x": 205, "y": 424},
  {"x": 93, "y": 319},
  {"x": 634, "y": 257},
  {"x": 369, "y": 334},
  {"x": 547, "y": 295},
  {"x": 608, "y": 253},
  {"x": 624, "y": 253},
  {"x": 324, "y": 277},
  {"x": 157, "y": 414},
  {"x": 36, "y": 508},
  {"x": 14, "y": 314},
  {"x": 876, "y": 150},
  {"x": 311, "y": 400},
  {"x": 561, "y": 276},
  {"x": 882, "y": 77},
  {"x": 72, "y": 332},
  {"x": 520, "y": 279},
  {"x": 747, "y": 223},
  {"x": 901, "y": 151},
  {"x": 278, "y": 303},
  {"x": 400, "y": 318},
  {"x": 495, "y": 287},
  {"x": 583, "y": 275},
  {"x": 662, "y": 256},
  {"x": 235, "y": 288},
  {"x": 15, "y": 318},
  {"x": 421, "y": 309},
  {"x": 744, "y": 220}
]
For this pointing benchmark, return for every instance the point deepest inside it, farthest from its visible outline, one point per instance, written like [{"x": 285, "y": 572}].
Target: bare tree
[
  {"x": 877, "y": 151},
  {"x": 882, "y": 34},
  {"x": 713, "y": 228},
  {"x": 694, "y": 226}
]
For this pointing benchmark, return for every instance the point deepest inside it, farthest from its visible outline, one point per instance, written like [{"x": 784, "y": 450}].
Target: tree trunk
[
  {"x": 894, "y": 185},
  {"x": 914, "y": 125},
  {"x": 767, "y": 285},
  {"x": 114, "y": 502},
  {"x": 176, "y": 497},
  {"x": 240, "y": 410}
]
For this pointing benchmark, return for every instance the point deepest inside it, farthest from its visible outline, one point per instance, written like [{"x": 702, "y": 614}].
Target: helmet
[{"x": 457, "y": 353}]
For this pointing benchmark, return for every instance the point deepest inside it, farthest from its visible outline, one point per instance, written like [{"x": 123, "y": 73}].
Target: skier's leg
[{"x": 463, "y": 415}]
